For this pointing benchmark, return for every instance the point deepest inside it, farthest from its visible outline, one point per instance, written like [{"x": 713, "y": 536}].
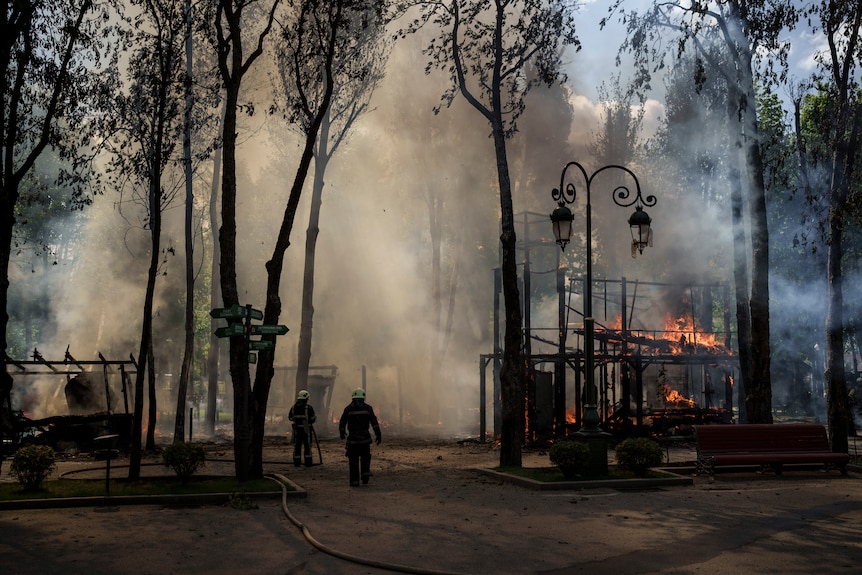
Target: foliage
[
  {"x": 32, "y": 464},
  {"x": 638, "y": 454},
  {"x": 570, "y": 456},
  {"x": 486, "y": 48},
  {"x": 241, "y": 500},
  {"x": 184, "y": 458}
]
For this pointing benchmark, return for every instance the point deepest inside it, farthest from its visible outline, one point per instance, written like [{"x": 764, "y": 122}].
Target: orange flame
[
  {"x": 682, "y": 333},
  {"x": 674, "y": 398},
  {"x": 689, "y": 339}
]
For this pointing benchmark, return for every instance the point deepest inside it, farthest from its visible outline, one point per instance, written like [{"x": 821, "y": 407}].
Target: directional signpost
[
  {"x": 260, "y": 345},
  {"x": 267, "y": 329},
  {"x": 245, "y": 329},
  {"x": 232, "y": 330},
  {"x": 236, "y": 312}
]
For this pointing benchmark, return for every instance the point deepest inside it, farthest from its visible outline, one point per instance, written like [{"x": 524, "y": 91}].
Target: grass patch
[
  {"x": 553, "y": 474},
  {"x": 62, "y": 488}
]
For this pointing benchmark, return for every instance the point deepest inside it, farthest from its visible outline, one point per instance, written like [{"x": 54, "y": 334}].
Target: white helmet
[
  {"x": 358, "y": 393},
  {"x": 302, "y": 394}
]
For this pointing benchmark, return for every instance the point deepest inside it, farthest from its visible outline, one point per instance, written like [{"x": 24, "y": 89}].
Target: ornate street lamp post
[{"x": 561, "y": 220}]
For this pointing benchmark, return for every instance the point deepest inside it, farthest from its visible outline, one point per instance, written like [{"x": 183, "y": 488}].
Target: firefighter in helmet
[
  {"x": 302, "y": 417},
  {"x": 354, "y": 425}
]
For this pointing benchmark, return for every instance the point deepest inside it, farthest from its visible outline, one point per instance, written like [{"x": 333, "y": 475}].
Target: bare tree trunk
[
  {"x": 512, "y": 371},
  {"x": 759, "y": 387},
  {"x": 145, "y": 355},
  {"x": 740, "y": 282},
  {"x": 232, "y": 67},
  {"x": 153, "y": 403},
  {"x": 215, "y": 296},
  {"x": 745, "y": 135},
  {"x": 841, "y": 29},
  {"x": 321, "y": 160},
  {"x": 189, "y": 347},
  {"x": 843, "y": 163}
]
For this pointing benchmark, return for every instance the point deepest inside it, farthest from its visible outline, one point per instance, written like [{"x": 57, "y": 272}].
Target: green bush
[
  {"x": 32, "y": 464},
  {"x": 184, "y": 458},
  {"x": 638, "y": 454},
  {"x": 570, "y": 456}
]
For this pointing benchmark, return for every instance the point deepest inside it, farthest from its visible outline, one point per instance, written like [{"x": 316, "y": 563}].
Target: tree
[
  {"x": 196, "y": 117},
  {"x": 485, "y": 48},
  {"x": 230, "y": 19},
  {"x": 189, "y": 343},
  {"x": 56, "y": 59},
  {"x": 840, "y": 22},
  {"x": 321, "y": 34},
  {"x": 745, "y": 33},
  {"x": 145, "y": 130},
  {"x": 358, "y": 67}
]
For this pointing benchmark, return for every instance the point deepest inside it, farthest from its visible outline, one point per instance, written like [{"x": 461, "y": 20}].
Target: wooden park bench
[{"x": 765, "y": 445}]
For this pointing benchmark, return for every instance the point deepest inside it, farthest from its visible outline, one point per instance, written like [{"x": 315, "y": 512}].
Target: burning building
[{"x": 652, "y": 379}]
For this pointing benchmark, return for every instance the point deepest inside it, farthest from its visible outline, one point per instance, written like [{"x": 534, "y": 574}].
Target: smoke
[{"x": 376, "y": 309}]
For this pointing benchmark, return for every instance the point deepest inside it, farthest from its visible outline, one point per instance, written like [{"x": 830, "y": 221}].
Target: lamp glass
[{"x": 561, "y": 219}]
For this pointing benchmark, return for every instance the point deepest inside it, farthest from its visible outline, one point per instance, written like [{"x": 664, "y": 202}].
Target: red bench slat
[{"x": 765, "y": 444}]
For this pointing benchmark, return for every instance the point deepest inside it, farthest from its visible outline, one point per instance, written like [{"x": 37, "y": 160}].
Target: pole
[
  {"x": 245, "y": 424},
  {"x": 316, "y": 442},
  {"x": 591, "y": 414},
  {"x": 622, "y": 196}
]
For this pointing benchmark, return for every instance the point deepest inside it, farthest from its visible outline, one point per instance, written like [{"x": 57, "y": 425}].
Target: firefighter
[
  {"x": 303, "y": 418},
  {"x": 357, "y": 417}
]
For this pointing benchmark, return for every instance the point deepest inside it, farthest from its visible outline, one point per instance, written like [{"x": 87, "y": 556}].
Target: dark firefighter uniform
[
  {"x": 354, "y": 425},
  {"x": 302, "y": 416}
]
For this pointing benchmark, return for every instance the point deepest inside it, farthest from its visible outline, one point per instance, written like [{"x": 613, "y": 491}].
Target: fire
[
  {"x": 689, "y": 339},
  {"x": 674, "y": 398},
  {"x": 679, "y": 335},
  {"x": 570, "y": 416}
]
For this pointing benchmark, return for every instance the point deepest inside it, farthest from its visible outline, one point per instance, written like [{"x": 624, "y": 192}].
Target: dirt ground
[{"x": 428, "y": 510}]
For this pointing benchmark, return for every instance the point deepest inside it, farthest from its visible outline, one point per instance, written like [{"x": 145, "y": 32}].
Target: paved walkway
[{"x": 427, "y": 510}]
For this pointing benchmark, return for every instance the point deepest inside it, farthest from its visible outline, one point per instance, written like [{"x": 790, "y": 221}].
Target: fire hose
[{"x": 346, "y": 556}]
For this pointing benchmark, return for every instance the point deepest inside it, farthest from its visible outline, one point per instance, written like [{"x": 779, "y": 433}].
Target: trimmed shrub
[
  {"x": 570, "y": 456},
  {"x": 184, "y": 458},
  {"x": 32, "y": 464},
  {"x": 638, "y": 454}
]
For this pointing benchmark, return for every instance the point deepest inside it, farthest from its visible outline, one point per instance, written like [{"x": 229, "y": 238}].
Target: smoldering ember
[{"x": 704, "y": 197}]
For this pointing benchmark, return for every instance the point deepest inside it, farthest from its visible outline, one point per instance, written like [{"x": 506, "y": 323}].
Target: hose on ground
[{"x": 346, "y": 556}]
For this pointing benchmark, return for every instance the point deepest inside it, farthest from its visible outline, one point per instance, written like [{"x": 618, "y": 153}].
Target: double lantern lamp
[
  {"x": 639, "y": 223},
  {"x": 561, "y": 219}
]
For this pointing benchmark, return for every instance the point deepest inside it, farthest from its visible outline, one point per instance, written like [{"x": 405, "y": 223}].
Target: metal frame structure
[{"x": 621, "y": 357}]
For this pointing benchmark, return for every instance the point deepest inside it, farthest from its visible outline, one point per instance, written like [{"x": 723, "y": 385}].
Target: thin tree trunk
[
  {"x": 512, "y": 370},
  {"x": 144, "y": 356},
  {"x": 189, "y": 347},
  {"x": 215, "y": 295},
  {"x": 740, "y": 282},
  {"x": 153, "y": 403},
  {"x": 759, "y": 387},
  {"x": 321, "y": 160}
]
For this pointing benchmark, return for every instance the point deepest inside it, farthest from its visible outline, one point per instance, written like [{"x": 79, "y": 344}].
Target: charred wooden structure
[{"x": 97, "y": 397}]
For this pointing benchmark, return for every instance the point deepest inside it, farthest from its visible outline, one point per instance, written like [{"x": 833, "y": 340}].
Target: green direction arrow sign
[
  {"x": 252, "y": 358},
  {"x": 236, "y": 312},
  {"x": 260, "y": 345},
  {"x": 267, "y": 329},
  {"x": 231, "y": 330}
]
